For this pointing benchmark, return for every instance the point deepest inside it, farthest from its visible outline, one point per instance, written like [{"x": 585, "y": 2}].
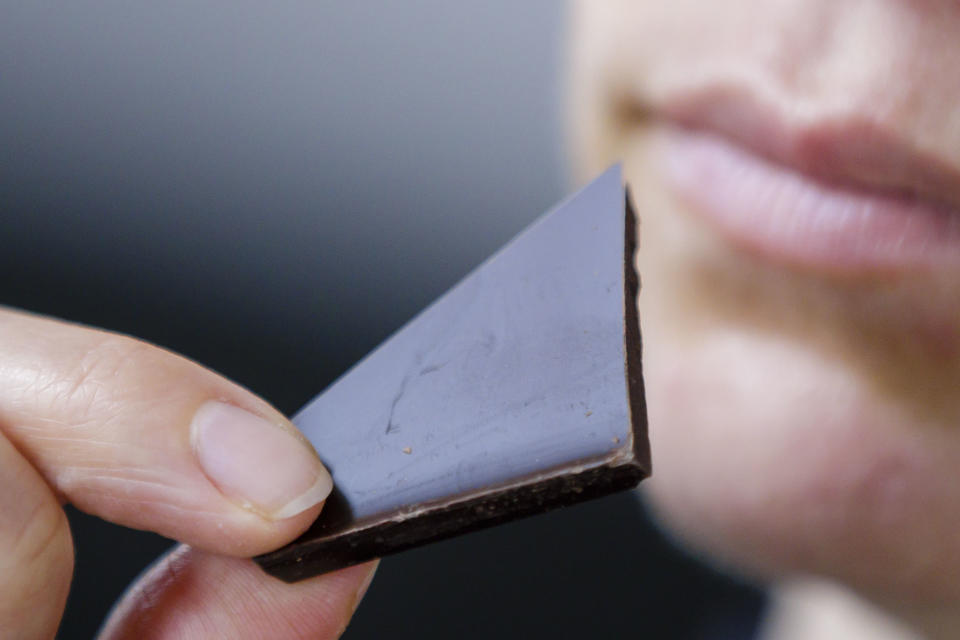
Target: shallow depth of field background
[{"x": 271, "y": 189}]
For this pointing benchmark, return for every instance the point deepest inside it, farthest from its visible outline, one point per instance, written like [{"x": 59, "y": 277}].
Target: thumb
[{"x": 144, "y": 438}]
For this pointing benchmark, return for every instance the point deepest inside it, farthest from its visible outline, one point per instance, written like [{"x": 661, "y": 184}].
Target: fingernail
[{"x": 256, "y": 463}]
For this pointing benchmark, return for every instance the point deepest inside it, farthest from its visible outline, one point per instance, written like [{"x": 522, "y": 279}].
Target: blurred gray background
[
  {"x": 294, "y": 152},
  {"x": 271, "y": 189}
]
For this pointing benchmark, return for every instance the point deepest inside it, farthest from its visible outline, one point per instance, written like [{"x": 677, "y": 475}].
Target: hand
[{"x": 146, "y": 439}]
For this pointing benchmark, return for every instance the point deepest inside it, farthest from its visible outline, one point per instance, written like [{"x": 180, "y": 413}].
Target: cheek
[{"x": 777, "y": 460}]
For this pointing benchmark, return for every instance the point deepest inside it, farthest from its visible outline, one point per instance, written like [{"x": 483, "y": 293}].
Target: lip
[{"x": 839, "y": 194}]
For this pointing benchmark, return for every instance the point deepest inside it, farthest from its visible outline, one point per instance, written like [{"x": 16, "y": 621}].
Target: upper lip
[{"x": 851, "y": 148}]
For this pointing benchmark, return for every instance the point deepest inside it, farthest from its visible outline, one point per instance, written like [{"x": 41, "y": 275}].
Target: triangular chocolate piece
[{"x": 517, "y": 391}]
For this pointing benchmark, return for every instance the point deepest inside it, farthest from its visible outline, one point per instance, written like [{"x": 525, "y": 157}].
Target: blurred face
[{"x": 796, "y": 166}]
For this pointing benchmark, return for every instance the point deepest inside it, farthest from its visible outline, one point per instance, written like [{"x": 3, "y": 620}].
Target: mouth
[{"x": 839, "y": 196}]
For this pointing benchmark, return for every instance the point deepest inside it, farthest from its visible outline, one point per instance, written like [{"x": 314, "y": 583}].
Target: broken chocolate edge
[
  {"x": 548, "y": 490},
  {"x": 633, "y": 338},
  {"x": 438, "y": 523}
]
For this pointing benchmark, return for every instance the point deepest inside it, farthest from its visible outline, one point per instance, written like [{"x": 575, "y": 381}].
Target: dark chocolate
[{"x": 516, "y": 392}]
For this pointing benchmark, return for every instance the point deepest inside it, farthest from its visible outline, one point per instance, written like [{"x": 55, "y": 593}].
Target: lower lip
[{"x": 780, "y": 214}]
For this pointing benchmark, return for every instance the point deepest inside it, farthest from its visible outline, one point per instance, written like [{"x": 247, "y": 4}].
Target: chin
[
  {"x": 791, "y": 433},
  {"x": 776, "y": 461}
]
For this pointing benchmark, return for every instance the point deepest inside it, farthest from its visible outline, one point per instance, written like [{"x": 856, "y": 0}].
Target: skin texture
[
  {"x": 804, "y": 422},
  {"x": 142, "y": 437}
]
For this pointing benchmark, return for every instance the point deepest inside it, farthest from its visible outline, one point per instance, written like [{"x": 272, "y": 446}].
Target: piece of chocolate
[{"x": 517, "y": 391}]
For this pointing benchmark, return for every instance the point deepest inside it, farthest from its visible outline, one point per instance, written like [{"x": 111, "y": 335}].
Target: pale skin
[
  {"x": 805, "y": 423},
  {"x": 147, "y": 439}
]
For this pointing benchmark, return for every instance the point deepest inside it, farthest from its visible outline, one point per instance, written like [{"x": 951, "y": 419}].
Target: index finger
[{"x": 147, "y": 439}]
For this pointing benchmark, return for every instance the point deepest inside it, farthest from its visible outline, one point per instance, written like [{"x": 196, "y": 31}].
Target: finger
[
  {"x": 36, "y": 553},
  {"x": 191, "y": 594},
  {"x": 144, "y": 438}
]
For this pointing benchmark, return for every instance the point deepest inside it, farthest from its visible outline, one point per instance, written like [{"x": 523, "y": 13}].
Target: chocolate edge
[
  {"x": 483, "y": 510},
  {"x": 633, "y": 338}
]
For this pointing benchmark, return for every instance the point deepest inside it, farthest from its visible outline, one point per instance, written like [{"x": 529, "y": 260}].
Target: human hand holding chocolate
[
  {"x": 144, "y": 438},
  {"x": 520, "y": 391}
]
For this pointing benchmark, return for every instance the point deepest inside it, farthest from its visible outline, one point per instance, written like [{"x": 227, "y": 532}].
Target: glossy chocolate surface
[{"x": 517, "y": 391}]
